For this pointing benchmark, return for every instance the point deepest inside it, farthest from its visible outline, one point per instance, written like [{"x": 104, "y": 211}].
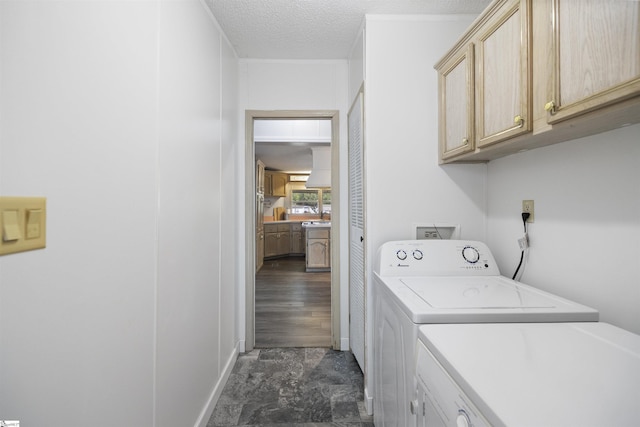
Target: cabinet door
[
  {"x": 504, "y": 76},
  {"x": 278, "y": 185},
  {"x": 259, "y": 250},
  {"x": 270, "y": 244},
  {"x": 456, "y": 86},
  {"x": 596, "y": 55},
  {"x": 284, "y": 243},
  {"x": 268, "y": 187},
  {"x": 318, "y": 255},
  {"x": 296, "y": 242},
  {"x": 259, "y": 177}
]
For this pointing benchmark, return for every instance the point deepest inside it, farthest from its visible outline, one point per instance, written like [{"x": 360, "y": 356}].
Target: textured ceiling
[
  {"x": 314, "y": 29},
  {"x": 310, "y": 29}
]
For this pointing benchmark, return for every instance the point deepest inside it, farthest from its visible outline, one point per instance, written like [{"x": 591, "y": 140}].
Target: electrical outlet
[{"x": 527, "y": 206}]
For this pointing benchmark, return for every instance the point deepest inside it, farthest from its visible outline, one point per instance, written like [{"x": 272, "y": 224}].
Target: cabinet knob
[
  {"x": 465, "y": 141},
  {"x": 550, "y": 107},
  {"x": 518, "y": 120}
]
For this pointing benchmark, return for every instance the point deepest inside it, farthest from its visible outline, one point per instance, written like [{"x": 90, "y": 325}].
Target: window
[{"x": 310, "y": 201}]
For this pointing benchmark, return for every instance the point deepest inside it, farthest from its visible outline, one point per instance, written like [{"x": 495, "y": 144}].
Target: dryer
[
  {"x": 528, "y": 375},
  {"x": 421, "y": 282}
]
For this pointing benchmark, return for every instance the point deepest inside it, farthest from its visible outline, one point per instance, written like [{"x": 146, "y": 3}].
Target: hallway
[{"x": 293, "y": 307}]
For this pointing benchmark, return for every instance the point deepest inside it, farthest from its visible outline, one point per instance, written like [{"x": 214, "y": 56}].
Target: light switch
[
  {"x": 34, "y": 217},
  {"x": 24, "y": 224},
  {"x": 10, "y": 226}
]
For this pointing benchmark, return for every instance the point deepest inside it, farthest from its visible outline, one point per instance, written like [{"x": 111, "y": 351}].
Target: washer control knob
[
  {"x": 470, "y": 254},
  {"x": 402, "y": 255},
  {"x": 417, "y": 254},
  {"x": 462, "y": 420}
]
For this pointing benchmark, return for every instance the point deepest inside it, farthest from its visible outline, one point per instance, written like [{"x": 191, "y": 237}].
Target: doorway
[{"x": 251, "y": 202}]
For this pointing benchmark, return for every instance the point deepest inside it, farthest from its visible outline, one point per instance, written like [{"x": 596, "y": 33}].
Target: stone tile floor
[{"x": 311, "y": 387}]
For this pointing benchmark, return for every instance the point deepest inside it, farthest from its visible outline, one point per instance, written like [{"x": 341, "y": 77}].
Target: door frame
[{"x": 250, "y": 217}]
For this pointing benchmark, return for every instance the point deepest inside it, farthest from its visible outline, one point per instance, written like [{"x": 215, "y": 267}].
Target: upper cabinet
[
  {"x": 456, "y": 104},
  {"x": 275, "y": 184},
  {"x": 529, "y": 73},
  {"x": 596, "y": 61},
  {"x": 503, "y": 75},
  {"x": 259, "y": 177}
]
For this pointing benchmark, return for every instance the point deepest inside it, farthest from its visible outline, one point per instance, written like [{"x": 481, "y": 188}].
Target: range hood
[{"x": 320, "y": 176}]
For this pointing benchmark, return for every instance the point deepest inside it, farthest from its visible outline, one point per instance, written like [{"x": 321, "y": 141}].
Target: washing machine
[
  {"x": 421, "y": 282},
  {"x": 527, "y": 375}
]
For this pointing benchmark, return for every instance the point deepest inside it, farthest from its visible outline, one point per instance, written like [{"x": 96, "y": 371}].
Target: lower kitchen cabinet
[
  {"x": 297, "y": 240},
  {"x": 318, "y": 250},
  {"x": 277, "y": 240}
]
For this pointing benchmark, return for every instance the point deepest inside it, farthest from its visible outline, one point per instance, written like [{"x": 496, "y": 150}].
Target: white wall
[
  {"x": 300, "y": 85},
  {"x": 585, "y": 241},
  {"x": 403, "y": 182},
  {"x": 112, "y": 110}
]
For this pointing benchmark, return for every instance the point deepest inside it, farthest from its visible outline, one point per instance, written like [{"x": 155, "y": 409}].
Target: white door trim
[{"x": 250, "y": 218}]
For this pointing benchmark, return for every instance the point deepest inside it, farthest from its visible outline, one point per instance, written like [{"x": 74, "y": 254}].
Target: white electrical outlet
[{"x": 527, "y": 206}]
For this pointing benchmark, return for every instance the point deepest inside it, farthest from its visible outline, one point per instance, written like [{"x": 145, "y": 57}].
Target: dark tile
[
  {"x": 345, "y": 411},
  {"x": 225, "y": 415},
  {"x": 284, "y": 387}
]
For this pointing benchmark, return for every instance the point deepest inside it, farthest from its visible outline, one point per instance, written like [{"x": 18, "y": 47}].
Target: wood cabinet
[
  {"x": 503, "y": 74},
  {"x": 485, "y": 82},
  {"x": 277, "y": 240},
  {"x": 596, "y": 55},
  {"x": 457, "y": 118},
  {"x": 297, "y": 239},
  {"x": 500, "y": 93},
  {"x": 259, "y": 177},
  {"x": 318, "y": 249},
  {"x": 275, "y": 184},
  {"x": 259, "y": 231}
]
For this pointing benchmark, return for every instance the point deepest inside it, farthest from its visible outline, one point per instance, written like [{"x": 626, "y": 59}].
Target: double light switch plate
[{"x": 23, "y": 224}]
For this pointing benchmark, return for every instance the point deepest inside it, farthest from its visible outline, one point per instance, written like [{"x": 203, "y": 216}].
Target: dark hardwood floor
[{"x": 293, "y": 308}]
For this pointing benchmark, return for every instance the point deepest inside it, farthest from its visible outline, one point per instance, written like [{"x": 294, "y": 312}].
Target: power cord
[{"x": 523, "y": 242}]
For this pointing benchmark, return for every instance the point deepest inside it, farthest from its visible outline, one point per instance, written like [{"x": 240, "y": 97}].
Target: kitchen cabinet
[
  {"x": 297, "y": 239},
  {"x": 259, "y": 177},
  {"x": 275, "y": 184},
  {"x": 500, "y": 93},
  {"x": 596, "y": 56},
  {"x": 277, "y": 240},
  {"x": 318, "y": 249},
  {"x": 259, "y": 231}
]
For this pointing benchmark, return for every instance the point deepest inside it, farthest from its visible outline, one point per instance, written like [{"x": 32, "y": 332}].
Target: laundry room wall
[
  {"x": 299, "y": 85},
  {"x": 585, "y": 238},
  {"x": 114, "y": 112},
  {"x": 403, "y": 182}
]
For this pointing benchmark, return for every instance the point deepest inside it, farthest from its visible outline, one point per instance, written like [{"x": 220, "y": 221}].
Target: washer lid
[{"x": 477, "y": 292}]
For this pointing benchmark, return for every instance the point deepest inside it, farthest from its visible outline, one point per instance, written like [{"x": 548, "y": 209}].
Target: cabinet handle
[
  {"x": 465, "y": 141},
  {"x": 550, "y": 107},
  {"x": 518, "y": 120}
]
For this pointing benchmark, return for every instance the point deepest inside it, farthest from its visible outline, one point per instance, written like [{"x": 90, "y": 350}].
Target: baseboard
[
  {"x": 203, "y": 419},
  {"x": 344, "y": 344},
  {"x": 368, "y": 402}
]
